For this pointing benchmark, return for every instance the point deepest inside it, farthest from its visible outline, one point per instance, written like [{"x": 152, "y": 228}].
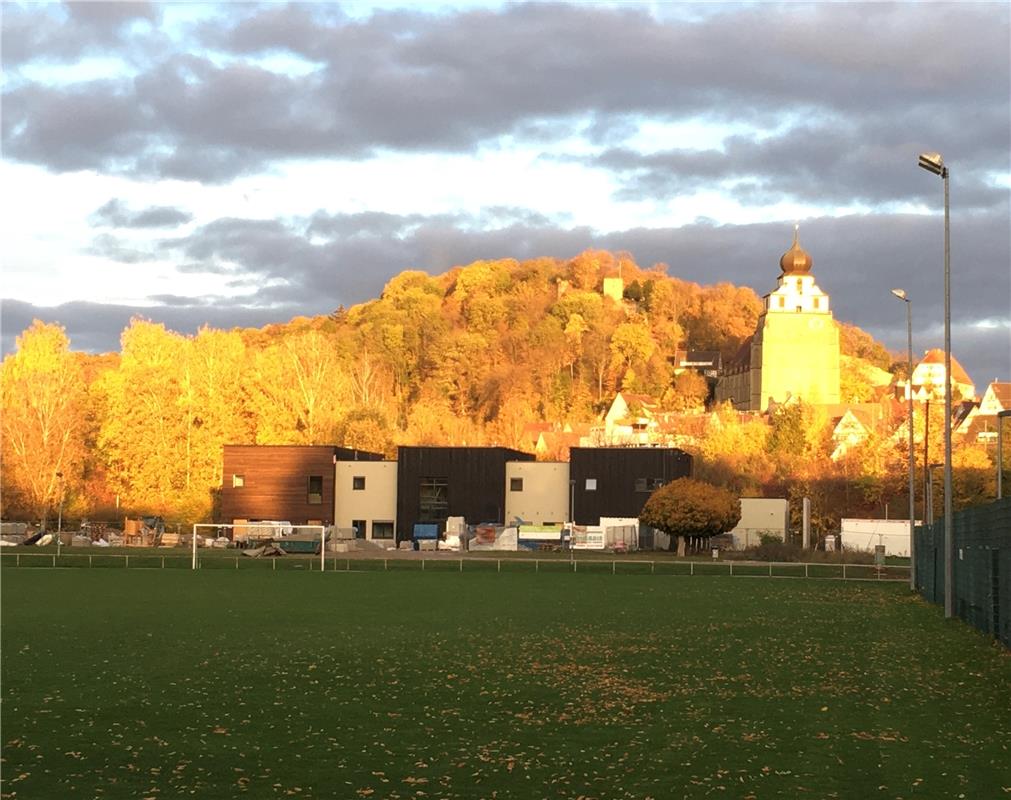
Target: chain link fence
[{"x": 982, "y": 566}]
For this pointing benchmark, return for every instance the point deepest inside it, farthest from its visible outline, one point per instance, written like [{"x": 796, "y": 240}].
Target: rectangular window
[
  {"x": 238, "y": 481},
  {"x": 315, "y": 496},
  {"x": 648, "y": 484},
  {"x": 816, "y": 303},
  {"x": 358, "y": 483},
  {"x": 382, "y": 530},
  {"x": 515, "y": 484},
  {"x": 641, "y": 485},
  {"x": 360, "y": 526},
  {"x": 782, "y": 302},
  {"x": 433, "y": 499}
]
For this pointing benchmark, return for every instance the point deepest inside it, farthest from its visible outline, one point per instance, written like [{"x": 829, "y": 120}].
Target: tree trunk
[{"x": 681, "y": 546}]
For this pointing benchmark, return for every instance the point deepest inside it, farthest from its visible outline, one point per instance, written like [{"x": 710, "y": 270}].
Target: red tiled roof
[{"x": 958, "y": 373}]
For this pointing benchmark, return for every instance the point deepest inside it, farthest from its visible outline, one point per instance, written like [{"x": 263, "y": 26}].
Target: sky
[{"x": 241, "y": 164}]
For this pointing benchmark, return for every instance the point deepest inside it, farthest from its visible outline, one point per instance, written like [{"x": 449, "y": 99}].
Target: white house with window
[
  {"x": 537, "y": 492},
  {"x": 365, "y": 498}
]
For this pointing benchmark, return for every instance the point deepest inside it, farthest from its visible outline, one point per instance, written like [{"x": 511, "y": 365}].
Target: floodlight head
[
  {"x": 932, "y": 162},
  {"x": 901, "y": 294}
]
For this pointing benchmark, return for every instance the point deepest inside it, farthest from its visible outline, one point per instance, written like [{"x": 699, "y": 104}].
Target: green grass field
[{"x": 155, "y": 684}]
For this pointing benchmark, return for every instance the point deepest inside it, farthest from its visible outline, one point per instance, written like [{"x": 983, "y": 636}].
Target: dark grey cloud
[
  {"x": 117, "y": 214},
  {"x": 112, "y": 247},
  {"x": 96, "y": 327},
  {"x": 862, "y": 84},
  {"x": 33, "y": 32},
  {"x": 828, "y": 164}
]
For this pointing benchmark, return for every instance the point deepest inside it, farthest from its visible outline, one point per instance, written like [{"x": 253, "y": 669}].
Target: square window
[
  {"x": 358, "y": 483},
  {"x": 238, "y": 481},
  {"x": 591, "y": 484},
  {"x": 315, "y": 494},
  {"x": 515, "y": 484},
  {"x": 641, "y": 485}
]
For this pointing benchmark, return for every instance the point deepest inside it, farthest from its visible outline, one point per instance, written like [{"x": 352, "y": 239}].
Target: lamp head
[
  {"x": 901, "y": 294},
  {"x": 932, "y": 162}
]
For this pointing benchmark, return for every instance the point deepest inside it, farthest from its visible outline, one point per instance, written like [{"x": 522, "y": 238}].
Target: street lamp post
[
  {"x": 901, "y": 294},
  {"x": 930, "y": 492},
  {"x": 933, "y": 163}
]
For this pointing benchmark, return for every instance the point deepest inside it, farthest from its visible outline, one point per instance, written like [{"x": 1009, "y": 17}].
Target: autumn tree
[
  {"x": 688, "y": 393},
  {"x": 297, "y": 391},
  {"x": 43, "y": 397},
  {"x": 143, "y": 433},
  {"x": 688, "y": 508}
]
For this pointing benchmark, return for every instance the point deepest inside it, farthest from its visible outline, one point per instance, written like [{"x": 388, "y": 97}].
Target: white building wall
[
  {"x": 761, "y": 516},
  {"x": 864, "y": 534},
  {"x": 377, "y": 502},
  {"x": 543, "y": 493}
]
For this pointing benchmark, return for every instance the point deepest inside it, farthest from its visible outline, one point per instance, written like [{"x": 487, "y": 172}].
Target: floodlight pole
[
  {"x": 934, "y": 163},
  {"x": 901, "y": 294}
]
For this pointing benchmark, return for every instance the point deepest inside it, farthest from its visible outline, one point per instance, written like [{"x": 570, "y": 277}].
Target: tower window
[
  {"x": 816, "y": 304},
  {"x": 782, "y": 302}
]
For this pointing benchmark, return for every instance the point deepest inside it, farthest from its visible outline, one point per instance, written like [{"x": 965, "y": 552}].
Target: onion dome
[{"x": 795, "y": 261}]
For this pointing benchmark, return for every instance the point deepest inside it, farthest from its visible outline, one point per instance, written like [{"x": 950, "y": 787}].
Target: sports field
[{"x": 217, "y": 683}]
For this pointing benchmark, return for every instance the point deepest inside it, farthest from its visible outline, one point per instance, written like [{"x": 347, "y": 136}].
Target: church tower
[{"x": 794, "y": 352}]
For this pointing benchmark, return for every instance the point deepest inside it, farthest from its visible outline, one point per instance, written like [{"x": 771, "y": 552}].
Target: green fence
[{"x": 982, "y": 566}]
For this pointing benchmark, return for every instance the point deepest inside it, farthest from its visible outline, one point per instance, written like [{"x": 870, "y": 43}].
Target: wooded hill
[{"x": 467, "y": 357}]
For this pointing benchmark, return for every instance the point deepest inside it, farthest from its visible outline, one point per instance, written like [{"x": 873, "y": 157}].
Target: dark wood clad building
[
  {"x": 617, "y": 481},
  {"x": 294, "y": 483},
  {"x": 434, "y": 483}
]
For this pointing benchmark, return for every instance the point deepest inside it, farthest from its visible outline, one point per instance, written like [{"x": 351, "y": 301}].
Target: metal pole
[
  {"x": 912, "y": 454},
  {"x": 59, "y": 523},
  {"x": 926, "y": 458},
  {"x": 949, "y": 537},
  {"x": 929, "y": 513},
  {"x": 194, "y": 547}
]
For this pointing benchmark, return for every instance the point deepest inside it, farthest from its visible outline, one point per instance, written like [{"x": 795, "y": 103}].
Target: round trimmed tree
[{"x": 689, "y": 508}]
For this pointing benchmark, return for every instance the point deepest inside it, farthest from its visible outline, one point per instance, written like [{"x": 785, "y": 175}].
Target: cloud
[
  {"x": 823, "y": 165},
  {"x": 894, "y": 78},
  {"x": 96, "y": 327},
  {"x": 116, "y": 214},
  {"x": 64, "y": 33}
]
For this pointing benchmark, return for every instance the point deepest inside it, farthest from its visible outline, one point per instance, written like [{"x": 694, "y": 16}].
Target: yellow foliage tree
[{"x": 43, "y": 397}]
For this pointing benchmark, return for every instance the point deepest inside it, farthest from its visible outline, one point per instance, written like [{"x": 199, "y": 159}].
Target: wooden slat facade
[
  {"x": 475, "y": 478},
  {"x": 616, "y": 471},
  {"x": 275, "y": 481}
]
